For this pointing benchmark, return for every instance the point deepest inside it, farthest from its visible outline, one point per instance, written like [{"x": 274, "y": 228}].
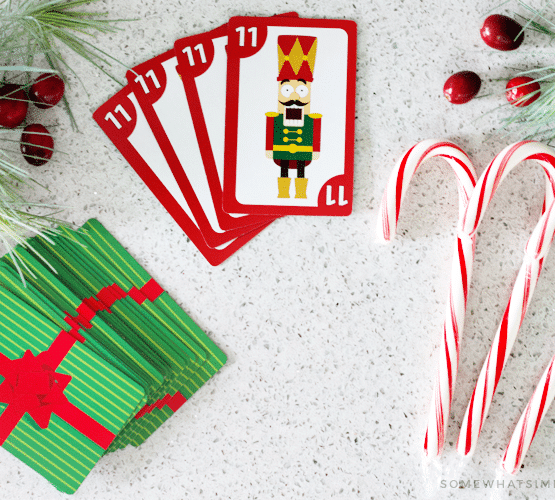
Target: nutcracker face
[{"x": 294, "y": 101}]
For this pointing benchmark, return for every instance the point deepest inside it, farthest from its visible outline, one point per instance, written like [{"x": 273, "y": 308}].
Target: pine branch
[
  {"x": 537, "y": 120},
  {"x": 47, "y": 29}
]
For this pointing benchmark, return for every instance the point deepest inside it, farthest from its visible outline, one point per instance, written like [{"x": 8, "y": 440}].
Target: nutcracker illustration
[{"x": 293, "y": 133}]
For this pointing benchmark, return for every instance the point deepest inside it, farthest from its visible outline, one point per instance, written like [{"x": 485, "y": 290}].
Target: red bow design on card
[{"x": 32, "y": 385}]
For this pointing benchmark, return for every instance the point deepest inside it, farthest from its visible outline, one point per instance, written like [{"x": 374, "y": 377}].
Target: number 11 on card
[
  {"x": 200, "y": 49},
  {"x": 241, "y": 31}
]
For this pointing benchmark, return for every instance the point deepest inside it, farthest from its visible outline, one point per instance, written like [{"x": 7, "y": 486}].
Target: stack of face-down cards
[
  {"x": 94, "y": 354},
  {"x": 245, "y": 123}
]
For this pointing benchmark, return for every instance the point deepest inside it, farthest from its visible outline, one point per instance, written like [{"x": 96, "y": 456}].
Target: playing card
[
  {"x": 119, "y": 298},
  {"x": 290, "y": 110},
  {"x": 123, "y": 121},
  {"x": 100, "y": 251},
  {"x": 166, "y": 310},
  {"x": 161, "y": 96},
  {"x": 51, "y": 298},
  {"x": 202, "y": 65},
  {"x": 61, "y": 404},
  {"x": 99, "y": 337}
]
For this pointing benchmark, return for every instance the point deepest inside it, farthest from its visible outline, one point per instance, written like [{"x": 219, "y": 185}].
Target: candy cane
[
  {"x": 536, "y": 249},
  {"x": 530, "y": 420},
  {"x": 460, "y": 272}
]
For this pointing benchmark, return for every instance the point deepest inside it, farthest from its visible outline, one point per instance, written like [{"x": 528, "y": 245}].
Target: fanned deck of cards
[
  {"x": 94, "y": 354},
  {"x": 245, "y": 123}
]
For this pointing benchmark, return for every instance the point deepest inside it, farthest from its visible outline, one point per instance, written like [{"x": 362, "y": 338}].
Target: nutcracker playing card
[{"x": 290, "y": 112}]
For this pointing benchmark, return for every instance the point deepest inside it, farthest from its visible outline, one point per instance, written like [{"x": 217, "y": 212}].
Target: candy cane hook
[
  {"x": 396, "y": 189},
  {"x": 536, "y": 249}
]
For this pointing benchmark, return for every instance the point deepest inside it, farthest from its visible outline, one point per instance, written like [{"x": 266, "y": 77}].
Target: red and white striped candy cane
[
  {"x": 530, "y": 420},
  {"x": 460, "y": 271},
  {"x": 536, "y": 250}
]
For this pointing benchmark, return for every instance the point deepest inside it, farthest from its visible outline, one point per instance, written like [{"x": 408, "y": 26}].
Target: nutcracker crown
[{"x": 296, "y": 57}]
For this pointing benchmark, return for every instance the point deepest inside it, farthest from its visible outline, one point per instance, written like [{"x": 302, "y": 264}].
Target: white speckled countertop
[{"x": 331, "y": 337}]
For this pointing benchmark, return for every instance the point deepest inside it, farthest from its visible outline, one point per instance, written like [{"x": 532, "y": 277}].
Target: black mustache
[{"x": 294, "y": 103}]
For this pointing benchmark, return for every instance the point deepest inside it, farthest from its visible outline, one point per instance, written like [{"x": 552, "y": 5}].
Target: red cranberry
[
  {"x": 13, "y": 105},
  {"x": 461, "y": 87},
  {"x": 37, "y": 144},
  {"x": 47, "y": 90},
  {"x": 502, "y": 32},
  {"x": 518, "y": 88}
]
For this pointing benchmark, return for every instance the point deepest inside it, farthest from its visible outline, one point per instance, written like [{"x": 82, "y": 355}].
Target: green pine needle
[
  {"x": 537, "y": 120},
  {"x": 48, "y": 30}
]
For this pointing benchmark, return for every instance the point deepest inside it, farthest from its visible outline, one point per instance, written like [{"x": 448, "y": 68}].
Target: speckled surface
[{"x": 331, "y": 337}]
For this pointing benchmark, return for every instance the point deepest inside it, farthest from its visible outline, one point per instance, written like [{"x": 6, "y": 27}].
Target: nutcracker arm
[
  {"x": 270, "y": 117},
  {"x": 316, "y": 133}
]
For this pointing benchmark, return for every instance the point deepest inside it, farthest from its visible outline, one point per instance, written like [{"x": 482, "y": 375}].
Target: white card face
[
  {"x": 126, "y": 125},
  {"x": 144, "y": 142},
  {"x": 256, "y": 175},
  {"x": 211, "y": 91},
  {"x": 174, "y": 114}
]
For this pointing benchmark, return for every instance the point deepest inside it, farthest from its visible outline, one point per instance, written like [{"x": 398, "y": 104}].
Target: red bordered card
[
  {"x": 160, "y": 93},
  {"x": 290, "y": 111},
  {"x": 123, "y": 121},
  {"x": 202, "y": 65}
]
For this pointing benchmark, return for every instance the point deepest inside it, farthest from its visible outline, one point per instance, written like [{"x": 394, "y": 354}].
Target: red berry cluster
[
  {"x": 501, "y": 33},
  {"x": 36, "y": 142}
]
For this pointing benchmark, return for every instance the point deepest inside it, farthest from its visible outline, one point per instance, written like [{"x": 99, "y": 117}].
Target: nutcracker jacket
[{"x": 293, "y": 143}]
